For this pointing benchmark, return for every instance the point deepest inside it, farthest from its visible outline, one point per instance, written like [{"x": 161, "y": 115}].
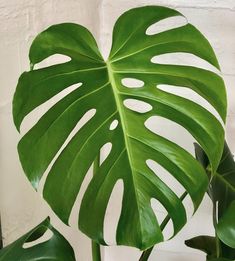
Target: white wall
[{"x": 22, "y": 208}]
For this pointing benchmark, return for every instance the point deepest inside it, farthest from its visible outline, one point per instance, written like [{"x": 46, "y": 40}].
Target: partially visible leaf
[
  {"x": 222, "y": 192},
  {"x": 226, "y": 226},
  {"x": 56, "y": 248},
  {"x": 206, "y": 244},
  {"x": 221, "y": 259},
  {"x": 1, "y": 239},
  {"x": 222, "y": 187},
  {"x": 223, "y": 184}
]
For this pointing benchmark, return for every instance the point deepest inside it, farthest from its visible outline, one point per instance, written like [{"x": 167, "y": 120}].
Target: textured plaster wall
[{"x": 20, "y": 207}]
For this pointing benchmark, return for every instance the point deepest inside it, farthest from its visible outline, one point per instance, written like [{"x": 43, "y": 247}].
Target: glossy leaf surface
[
  {"x": 55, "y": 248},
  {"x": 226, "y": 226},
  {"x": 103, "y": 93}
]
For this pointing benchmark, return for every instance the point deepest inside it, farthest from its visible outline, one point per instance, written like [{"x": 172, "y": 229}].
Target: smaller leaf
[
  {"x": 226, "y": 226},
  {"x": 206, "y": 244},
  {"x": 55, "y": 248}
]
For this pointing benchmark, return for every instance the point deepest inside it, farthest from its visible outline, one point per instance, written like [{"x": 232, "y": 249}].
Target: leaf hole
[
  {"x": 185, "y": 59},
  {"x": 177, "y": 188},
  {"x": 73, "y": 218},
  {"x": 45, "y": 237},
  {"x": 191, "y": 95},
  {"x": 137, "y": 105},
  {"x": 202, "y": 217},
  {"x": 171, "y": 131},
  {"x": 132, "y": 83},
  {"x": 85, "y": 118},
  {"x": 54, "y": 59},
  {"x": 158, "y": 209},
  {"x": 31, "y": 119},
  {"x": 166, "y": 177},
  {"x": 166, "y": 24},
  {"x": 161, "y": 213},
  {"x": 168, "y": 231},
  {"x": 113, "y": 125},
  {"x": 113, "y": 212},
  {"x": 105, "y": 151},
  {"x": 188, "y": 205}
]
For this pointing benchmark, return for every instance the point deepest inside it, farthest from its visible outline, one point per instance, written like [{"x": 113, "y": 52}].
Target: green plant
[
  {"x": 54, "y": 248},
  {"x": 104, "y": 93},
  {"x": 222, "y": 193}
]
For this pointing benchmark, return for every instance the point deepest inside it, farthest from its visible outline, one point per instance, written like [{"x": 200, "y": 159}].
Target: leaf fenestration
[{"x": 132, "y": 143}]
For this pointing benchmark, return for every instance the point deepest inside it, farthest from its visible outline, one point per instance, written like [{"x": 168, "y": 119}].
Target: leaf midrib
[
  {"x": 148, "y": 47},
  {"x": 122, "y": 123},
  {"x": 64, "y": 74}
]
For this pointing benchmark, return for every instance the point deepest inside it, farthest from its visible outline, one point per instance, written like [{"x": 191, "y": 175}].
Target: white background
[{"x": 21, "y": 208}]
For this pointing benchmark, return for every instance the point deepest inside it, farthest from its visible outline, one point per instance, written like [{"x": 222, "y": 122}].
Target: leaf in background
[
  {"x": 226, "y": 226},
  {"x": 222, "y": 193},
  {"x": 223, "y": 184},
  {"x": 221, "y": 259},
  {"x": 1, "y": 238},
  {"x": 55, "y": 248},
  {"x": 206, "y": 244},
  {"x": 105, "y": 95}
]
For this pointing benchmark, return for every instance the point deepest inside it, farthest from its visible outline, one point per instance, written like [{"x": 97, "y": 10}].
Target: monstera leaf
[
  {"x": 55, "y": 248},
  {"x": 104, "y": 93}
]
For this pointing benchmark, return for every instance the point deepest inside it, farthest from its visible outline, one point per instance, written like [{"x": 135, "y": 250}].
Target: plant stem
[
  {"x": 96, "y": 255},
  {"x": 145, "y": 255},
  {"x": 217, "y": 241}
]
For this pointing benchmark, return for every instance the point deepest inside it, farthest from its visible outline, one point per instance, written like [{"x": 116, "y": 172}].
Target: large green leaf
[
  {"x": 133, "y": 144},
  {"x": 55, "y": 248}
]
